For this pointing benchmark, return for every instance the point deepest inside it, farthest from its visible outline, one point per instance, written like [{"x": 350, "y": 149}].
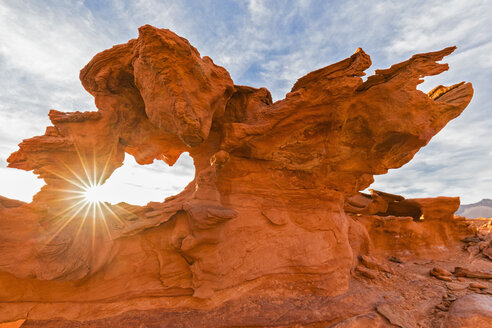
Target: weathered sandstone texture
[{"x": 272, "y": 232}]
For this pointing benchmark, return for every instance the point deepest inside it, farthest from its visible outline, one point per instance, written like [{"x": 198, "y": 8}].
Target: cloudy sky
[{"x": 44, "y": 44}]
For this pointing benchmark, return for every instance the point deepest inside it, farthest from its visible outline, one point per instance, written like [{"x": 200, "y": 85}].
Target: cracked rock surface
[{"x": 273, "y": 231}]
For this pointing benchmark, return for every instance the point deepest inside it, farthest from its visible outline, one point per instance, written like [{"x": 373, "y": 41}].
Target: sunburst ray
[{"x": 85, "y": 199}]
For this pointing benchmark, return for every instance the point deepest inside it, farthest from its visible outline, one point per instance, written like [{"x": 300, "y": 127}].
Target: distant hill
[{"x": 481, "y": 209}]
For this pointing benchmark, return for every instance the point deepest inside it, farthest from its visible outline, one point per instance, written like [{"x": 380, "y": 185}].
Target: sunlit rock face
[{"x": 269, "y": 231}]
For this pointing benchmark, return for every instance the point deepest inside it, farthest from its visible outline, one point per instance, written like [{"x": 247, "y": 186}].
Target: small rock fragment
[
  {"x": 396, "y": 315},
  {"x": 371, "y": 319},
  {"x": 455, "y": 286},
  {"x": 449, "y": 297},
  {"x": 372, "y": 263},
  {"x": 395, "y": 259},
  {"x": 477, "y": 285},
  {"x": 471, "y": 239},
  {"x": 368, "y": 273},
  {"x": 487, "y": 252},
  {"x": 442, "y": 307},
  {"x": 474, "y": 250},
  {"x": 444, "y": 278},
  {"x": 483, "y": 245},
  {"x": 440, "y": 272},
  {"x": 464, "y": 272}
]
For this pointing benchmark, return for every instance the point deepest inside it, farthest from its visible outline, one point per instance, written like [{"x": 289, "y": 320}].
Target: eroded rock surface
[
  {"x": 470, "y": 311},
  {"x": 273, "y": 231}
]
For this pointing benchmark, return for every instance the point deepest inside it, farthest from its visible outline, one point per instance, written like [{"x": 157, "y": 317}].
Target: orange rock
[
  {"x": 10, "y": 203},
  {"x": 13, "y": 324},
  {"x": 366, "y": 272},
  {"x": 403, "y": 235},
  {"x": 397, "y": 316},
  {"x": 440, "y": 272},
  {"x": 264, "y": 222},
  {"x": 455, "y": 286},
  {"x": 372, "y": 263},
  {"x": 385, "y": 204},
  {"x": 470, "y": 311},
  {"x": 487, "y": 252},
  {"x": 442, "y": 307},
  {"x": 477, "y": 285},
  {"x": 368, "y": 320},
  {"x": 464, "y": 272},
  {"x": 444, "y": 278}
]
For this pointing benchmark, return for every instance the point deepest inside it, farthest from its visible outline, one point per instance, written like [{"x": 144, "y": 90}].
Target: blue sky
[{"x": 44, "y": 44}]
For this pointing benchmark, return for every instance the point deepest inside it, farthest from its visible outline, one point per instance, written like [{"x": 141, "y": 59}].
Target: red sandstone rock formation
[{"x": 273, "y": 230}]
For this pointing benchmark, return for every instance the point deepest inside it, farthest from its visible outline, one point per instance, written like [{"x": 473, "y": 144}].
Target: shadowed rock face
[{"x": 274, "y": 212}]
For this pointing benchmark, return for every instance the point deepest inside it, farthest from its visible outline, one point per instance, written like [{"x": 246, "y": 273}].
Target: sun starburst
[{"x": 84, "y": 199}]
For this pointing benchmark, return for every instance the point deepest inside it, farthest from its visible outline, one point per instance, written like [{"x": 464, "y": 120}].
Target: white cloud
[
  {"x": 44, "y": 44},
  {"x": 138, "y": 185},
  {"x": 53, "y": 43},
  {"x": 17, "y": 184},
  {"x": 455, "y": 163}
]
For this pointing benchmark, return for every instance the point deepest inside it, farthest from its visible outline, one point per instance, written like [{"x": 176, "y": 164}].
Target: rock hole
[
  {"x": 139, "y": 184},
  {"x": 18, "y": 184}
]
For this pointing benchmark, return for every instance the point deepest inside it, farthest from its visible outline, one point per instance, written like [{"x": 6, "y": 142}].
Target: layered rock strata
[{"x": 272, "y": 231}]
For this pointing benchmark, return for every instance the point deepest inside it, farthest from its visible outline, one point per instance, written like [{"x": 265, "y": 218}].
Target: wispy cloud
[
  {"x": 456, "y": 162},
  {"x": 271, "y": 43}
]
